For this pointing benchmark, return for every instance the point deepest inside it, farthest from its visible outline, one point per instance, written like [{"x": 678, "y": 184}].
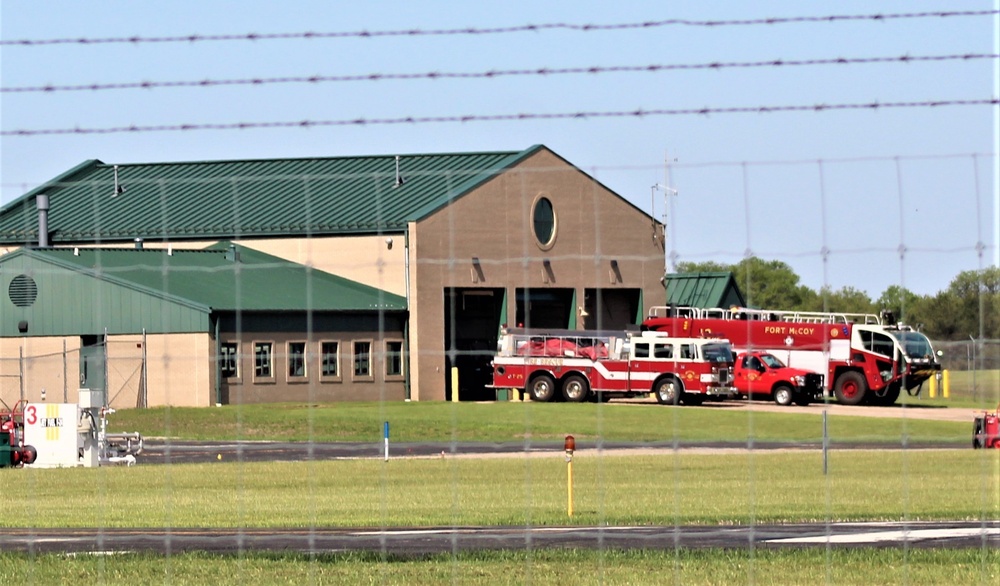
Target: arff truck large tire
[{"x": 850, "y": 388}]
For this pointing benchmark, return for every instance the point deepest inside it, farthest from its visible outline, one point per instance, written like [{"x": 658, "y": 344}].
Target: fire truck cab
[{"x": 589, "y": 365}]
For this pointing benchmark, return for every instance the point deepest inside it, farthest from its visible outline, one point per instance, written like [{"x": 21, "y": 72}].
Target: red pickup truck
[{"x": 762, "y": 373}]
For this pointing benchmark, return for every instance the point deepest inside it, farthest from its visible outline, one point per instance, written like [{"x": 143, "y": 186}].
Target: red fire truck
[
  {"x": 863, "y": 357},
  {"x": 590, "y": 365}
]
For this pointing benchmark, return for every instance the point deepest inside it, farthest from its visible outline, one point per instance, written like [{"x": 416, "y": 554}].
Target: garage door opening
[
  {"x": 611, "y": 309},
  {"x": 471, "y": 322},
  {"x": 545, "y": 308}
]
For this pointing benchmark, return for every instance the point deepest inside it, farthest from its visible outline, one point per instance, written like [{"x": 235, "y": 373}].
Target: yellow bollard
[
  {"x": 454, "y": 384},
  {"x": 515, "y": 395},
  {"x": 933, "y": 386},
  {"x": 945, "y": 384}
]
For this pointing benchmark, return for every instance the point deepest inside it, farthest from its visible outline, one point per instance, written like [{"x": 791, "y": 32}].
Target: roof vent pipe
[
  {"x": 119, "y": 188},
  {"x": 42, "y": 204},
  {"x": 399, "y": 176},
  {"x": 233, "y": 254}
]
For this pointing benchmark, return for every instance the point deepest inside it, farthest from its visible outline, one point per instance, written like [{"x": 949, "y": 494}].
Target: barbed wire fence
[{"x": 978, "y": 355}]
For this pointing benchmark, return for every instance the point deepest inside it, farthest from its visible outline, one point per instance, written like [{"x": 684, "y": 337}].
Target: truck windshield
[
  {"x": 717, "y": 352},
  {"x": 914, "y": 344},
  {"x": 771, "y": 361}
]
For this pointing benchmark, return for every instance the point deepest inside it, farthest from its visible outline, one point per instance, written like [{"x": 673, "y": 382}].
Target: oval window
[{"x": 543, "y": 218}]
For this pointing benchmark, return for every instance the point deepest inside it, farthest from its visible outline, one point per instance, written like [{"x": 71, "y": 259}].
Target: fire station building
[{"x": 352, "y": 278}]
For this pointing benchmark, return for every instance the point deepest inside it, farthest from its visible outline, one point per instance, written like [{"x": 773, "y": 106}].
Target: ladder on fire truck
[{"x": 747, "y": 314}]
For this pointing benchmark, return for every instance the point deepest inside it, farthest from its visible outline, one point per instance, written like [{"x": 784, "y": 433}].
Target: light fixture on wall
[
  {"x": 547, "y": 275},
  {"x": 477, "y": 271},
  {"x": 615, "y": 274},
  {"x": 581, "y": 311}
]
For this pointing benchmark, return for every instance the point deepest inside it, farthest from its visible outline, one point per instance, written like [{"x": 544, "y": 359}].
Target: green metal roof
[
  {"x": 709, "y": 289},
  {"x": 232, "y": 199},
  {"x": 211, "y": 279}
]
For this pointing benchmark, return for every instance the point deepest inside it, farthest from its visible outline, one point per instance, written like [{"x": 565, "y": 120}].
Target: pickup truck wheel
[
  {"x": 575, "y": 388},
  {"x": 783, "y": 395},
  {"x": 850, "y": 388},
  {"x": 802, "y": 400},
  {"x": 668, "y": 392},
  {"x": 543, "y": 388}
]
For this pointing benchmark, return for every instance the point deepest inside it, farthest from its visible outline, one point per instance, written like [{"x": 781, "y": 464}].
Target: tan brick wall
[
  {"x": 45, "y": 366},
  {"x": 493, "y": 224},
  {"x": 365, "y": 259}
]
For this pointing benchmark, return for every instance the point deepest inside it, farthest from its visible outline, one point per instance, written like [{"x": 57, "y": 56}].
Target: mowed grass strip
[
  {"x": 849, "y": 567},
  {"x": 662, "y": 489},
  {"x": 522, "y": 422}
]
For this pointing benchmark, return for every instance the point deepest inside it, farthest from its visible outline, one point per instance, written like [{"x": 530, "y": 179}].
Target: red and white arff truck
[
  {"x": 864, "y": 358},
  {"x": 591, "y": 365}
]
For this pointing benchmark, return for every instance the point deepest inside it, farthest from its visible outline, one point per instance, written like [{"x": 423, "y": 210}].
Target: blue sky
[{"x": 921, "y": 180}]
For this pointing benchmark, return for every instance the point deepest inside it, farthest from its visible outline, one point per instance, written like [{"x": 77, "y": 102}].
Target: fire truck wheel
[
  {"x": 574, "y": 389},
  {"x": 668, "y": 392},
  {"x": 783, "y": 395},
  {"x": 850, "y": 388},
  {"x": 543, "y": 388}
]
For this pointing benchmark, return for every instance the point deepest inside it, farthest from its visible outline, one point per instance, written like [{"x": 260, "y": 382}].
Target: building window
[
  {"x": 296, "y": 360},
  {"x": 329, "y": 360},
  {"x": 543, "y": 222},
  {"x": 362, "y": 359},
  {"x": 262, "y": 360},
  {"x": 393, "y": 358},
  {"x": 229, "y": 359}
]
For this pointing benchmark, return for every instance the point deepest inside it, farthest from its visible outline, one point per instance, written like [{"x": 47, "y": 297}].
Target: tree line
[{"x": 969, "y": 306}]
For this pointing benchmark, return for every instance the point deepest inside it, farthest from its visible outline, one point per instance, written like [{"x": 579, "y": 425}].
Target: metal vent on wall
[{"x": 23, "y": 291}]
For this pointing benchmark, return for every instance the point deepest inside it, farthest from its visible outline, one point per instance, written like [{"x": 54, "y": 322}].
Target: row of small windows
[{"x": 297, "y": 363}]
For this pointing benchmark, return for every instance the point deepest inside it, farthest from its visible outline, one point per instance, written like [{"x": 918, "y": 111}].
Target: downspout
[
  {"x": 406, "y": 321},
  {"x": 218, "y": 363}
]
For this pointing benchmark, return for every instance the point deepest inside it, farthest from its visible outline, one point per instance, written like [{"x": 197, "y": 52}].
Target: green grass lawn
[
  {"x": 519, "y": 422},
  {"x": 659, "y": 489},
  {"x": 848, "y": 567}
]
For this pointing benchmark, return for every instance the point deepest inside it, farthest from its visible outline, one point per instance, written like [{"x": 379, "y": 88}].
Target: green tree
[
  {"x": 970, "y": 306},
  {"x": 899, "y": 300},
  {"x": 846, "y": 300},
  {"x": 770, "y": 284},
  {"x": 709, "y": 266}
]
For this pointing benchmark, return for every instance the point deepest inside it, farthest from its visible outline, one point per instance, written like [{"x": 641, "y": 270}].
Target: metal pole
[
  {"x": 20, "y": 369},
  {"x": 145, "y": 373},
  {"x": 65, "y": 382},
  {"x": 570, "y": 446},
  {"x": 826, "y": 445},
  {"x": 974, "y": 366}
]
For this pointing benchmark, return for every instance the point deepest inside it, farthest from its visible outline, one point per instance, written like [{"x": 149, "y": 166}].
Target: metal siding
[
  {"x": 71, "y": 303},
  {"x": 263, "y": 197}
]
